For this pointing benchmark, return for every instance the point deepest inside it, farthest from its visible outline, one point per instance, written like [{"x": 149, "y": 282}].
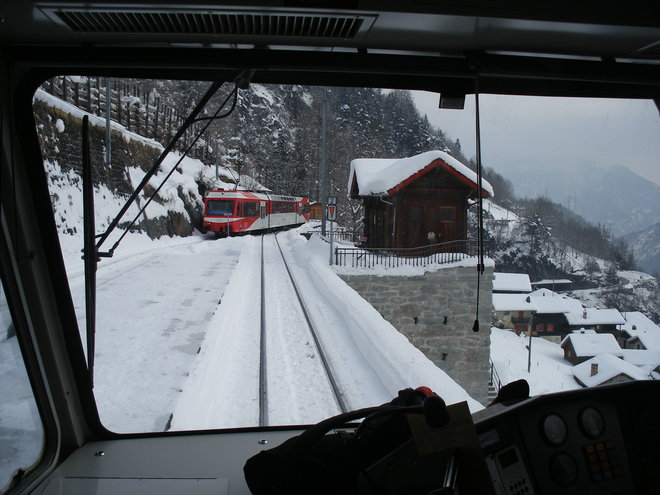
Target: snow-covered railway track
[{"x": 289, "y": 343}]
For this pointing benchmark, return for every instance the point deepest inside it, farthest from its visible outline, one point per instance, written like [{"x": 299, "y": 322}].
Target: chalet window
[
  {"x": 550, "y": 327},
  {"x": 414, "y": 214},
  {"x": 447, "y": 213}
]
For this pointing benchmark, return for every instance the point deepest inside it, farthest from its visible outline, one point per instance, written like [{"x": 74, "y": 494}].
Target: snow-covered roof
[
  {"x": 380, "y": 176},
  {"x": 513, "y": 302},
  {"x": 609, "y": 366},
  {"x": 592, "y": 344},
  {"x": 549, "y": 281},
  {"x": 638, "y": 325},
  {"x": 640, "y": 321},
  {"x": 548, "y": 302},
  {"x": 640, "y": 357},
  {"x": 595, "y": 316},
  {"x": 511, "y": 282}
]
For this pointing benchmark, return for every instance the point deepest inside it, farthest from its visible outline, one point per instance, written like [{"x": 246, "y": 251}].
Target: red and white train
[{"x": 234, "y": 212}]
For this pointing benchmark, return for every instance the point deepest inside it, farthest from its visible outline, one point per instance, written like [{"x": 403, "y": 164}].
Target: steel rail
[
  {"x": 341, "y": 403},
  {"x": 263, "y": 379}
]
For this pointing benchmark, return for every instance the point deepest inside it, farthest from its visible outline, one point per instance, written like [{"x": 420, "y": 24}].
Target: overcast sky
[{"x": 552, "y": 132}]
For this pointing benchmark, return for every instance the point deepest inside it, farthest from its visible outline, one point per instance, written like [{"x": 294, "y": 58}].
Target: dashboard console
[{"x": 601, "y": 441}]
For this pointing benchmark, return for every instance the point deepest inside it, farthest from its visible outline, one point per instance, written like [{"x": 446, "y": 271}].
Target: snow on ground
[
  {"x": 499, "y": 212},
  {"x": 371, "y": 360},
  {"x": 398, "y": 363},
  {"x": 549, "y": 371},
  {"x": 153, "y": 311}
]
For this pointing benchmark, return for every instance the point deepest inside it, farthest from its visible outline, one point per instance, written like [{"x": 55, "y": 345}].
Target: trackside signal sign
[
  {"x": 331, "y": 208},
  {"x": 332, "y": 213}
]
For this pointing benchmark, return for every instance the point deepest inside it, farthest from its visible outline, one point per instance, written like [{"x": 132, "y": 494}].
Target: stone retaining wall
[{"x": 436, "y": 312}]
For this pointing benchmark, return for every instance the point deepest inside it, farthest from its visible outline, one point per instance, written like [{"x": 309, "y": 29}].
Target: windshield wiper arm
[
  {"x": 191, "y": 118},
  {"x": 90, "y": 251}
]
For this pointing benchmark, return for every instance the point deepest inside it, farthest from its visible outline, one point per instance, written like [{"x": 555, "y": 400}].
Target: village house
[
  {"x": 514, "y": 311},
  {"x": 601, "y": 320},
  {"x": 550, "y": 319},
  {"x": 316, "y": 211},
  {"x": 585, "y": 344},
  {"x": 647, "y": 361},
  {"x": 639, "y": 332},
  {"x": 511, "y": 283},
  {"x": 553, "y": 284},
  {"x": 606, "y": 369},
  {"x": 417, "y": 201}
]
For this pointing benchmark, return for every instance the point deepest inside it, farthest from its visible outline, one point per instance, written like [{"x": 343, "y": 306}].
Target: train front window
[
  {"x": 220, "y": 207},
  {"x": 189, "y": 336}
]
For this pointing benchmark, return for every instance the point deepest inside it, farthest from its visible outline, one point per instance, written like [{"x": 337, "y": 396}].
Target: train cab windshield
[
  {"x": 406, "y": 214},
  {"x": 220, "y": 207}
]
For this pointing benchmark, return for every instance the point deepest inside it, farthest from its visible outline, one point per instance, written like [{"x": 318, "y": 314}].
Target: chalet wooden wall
[{"x": 429, "y": 210}]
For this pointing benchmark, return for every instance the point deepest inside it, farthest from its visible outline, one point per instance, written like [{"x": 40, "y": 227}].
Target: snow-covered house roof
[
  {"x": 594, "y": 316},
  {"x": 649, "y": 341},
  {"x": 385, "y": 177},
  {"x": 551, "y": 281},
  {"x": 638, "y": 326},
  {"x": 639, "y": 322},
  {"x": 609, "y": 367},
  {"x": 548, "y": 302},
  {"x": 592, "y": 344},
  {"x": 640, "y": 357},
  {"x": 511, "y": 282},
  {"x": 513, "y": 302}
]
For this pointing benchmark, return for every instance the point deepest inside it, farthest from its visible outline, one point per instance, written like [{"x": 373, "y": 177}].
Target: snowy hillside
[
  {"x": 646, "y": 246},
  {"x": 527, "y": 244},
  {"x": 178, "y": 200}
]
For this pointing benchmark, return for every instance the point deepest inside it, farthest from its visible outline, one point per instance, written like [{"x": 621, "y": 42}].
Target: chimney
[
  {"x": 584, "y": 313},
  {"x": 594, "y": 369}
]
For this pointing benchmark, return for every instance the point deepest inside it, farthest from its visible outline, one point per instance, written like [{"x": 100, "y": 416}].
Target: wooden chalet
[
  {"x": 602, "y": 320},
  {"x": 581, "y": 346},
  {"x": 514, "y": 311},
  {"x": 511, "y": 283},
  {"x": 639, "y": 332},
  {"x": 316, "y": 211},
  {"x": 606, "y": 369},
  {"x": 551, "y": 317},
  {"x": 416, "y": 201}
]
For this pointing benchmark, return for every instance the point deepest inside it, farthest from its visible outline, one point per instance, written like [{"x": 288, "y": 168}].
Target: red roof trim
[{"x": 428, "y": 168}]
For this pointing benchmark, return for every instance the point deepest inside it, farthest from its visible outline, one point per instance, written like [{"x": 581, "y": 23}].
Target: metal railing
[
  {"x": 344, "y": 235},
  {"x": 494, "y": 379},
  {"x": 446, "y": 252}
]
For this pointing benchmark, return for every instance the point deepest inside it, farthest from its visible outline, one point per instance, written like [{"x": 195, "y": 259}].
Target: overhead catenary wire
[
  {"x": 480, "y": 216},
  {"x": 189, "y": 120},
  {"x": 209, "y": 121}
]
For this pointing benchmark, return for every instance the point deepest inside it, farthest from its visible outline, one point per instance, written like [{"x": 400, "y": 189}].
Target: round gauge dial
[
  {"x": 554, "y": 430},
  {"x": 591, "y": 422}
]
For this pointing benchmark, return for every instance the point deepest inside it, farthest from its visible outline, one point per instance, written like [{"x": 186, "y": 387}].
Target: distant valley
[{"x": 614, "y": 197}]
